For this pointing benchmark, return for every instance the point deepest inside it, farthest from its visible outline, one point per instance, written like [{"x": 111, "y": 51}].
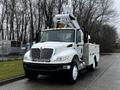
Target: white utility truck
[{"x": 61, "y": 49}]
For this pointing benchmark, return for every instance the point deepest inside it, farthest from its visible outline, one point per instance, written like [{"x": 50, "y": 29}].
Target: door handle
[{"x": 81, "y": 50}]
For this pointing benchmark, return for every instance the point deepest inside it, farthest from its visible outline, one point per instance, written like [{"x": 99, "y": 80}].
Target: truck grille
[
  {"x": 42, "y": 55},
  {"x": 35, "y": 53},
  {"x": 46, "y": 53}
]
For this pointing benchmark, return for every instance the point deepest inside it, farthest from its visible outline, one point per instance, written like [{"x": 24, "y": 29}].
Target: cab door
[{"x": 79, "y": 43}]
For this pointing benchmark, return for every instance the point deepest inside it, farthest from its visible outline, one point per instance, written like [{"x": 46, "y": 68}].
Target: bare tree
[
  {"x": 31, "y": 23},
  {"x": 12, "y": 13},
  {"x": 2, "y": 18},
  {"x": 48, "y": 10}
]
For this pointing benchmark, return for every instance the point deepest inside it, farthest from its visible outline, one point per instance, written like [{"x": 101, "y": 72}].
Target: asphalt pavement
[{"x": 105, "y": 77}]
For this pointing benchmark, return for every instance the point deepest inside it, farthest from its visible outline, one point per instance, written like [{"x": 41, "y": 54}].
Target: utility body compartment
[{"x": 91, "y": 53}]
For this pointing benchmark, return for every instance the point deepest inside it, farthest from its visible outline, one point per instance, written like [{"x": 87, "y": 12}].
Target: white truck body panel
[
  {"x": 90, "y": 53},
  {"x": 59, "y": 50}
]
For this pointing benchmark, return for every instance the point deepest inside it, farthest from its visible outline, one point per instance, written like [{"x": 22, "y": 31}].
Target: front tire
[
  {"x": 73, "y": 74},
  {"x": 31, "y": 75}
]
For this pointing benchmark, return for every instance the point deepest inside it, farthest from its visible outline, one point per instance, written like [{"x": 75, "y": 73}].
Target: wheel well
[
  {"x": 95, "y": 59},
  {"x": 75, "y": 59}
]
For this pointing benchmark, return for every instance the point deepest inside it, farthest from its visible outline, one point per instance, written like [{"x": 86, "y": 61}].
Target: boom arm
[{"x": 67, "y": 18}]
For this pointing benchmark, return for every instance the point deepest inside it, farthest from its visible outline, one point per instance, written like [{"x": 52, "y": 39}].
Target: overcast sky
[{"x": 117, "y": 22}]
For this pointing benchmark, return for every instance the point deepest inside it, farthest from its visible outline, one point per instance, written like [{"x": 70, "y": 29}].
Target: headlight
[
  {"x": 62, "y": 58},
  {"x": 27, "y": 57}
]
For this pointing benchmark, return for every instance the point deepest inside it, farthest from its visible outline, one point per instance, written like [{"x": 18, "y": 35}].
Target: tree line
[{"x": 22, "y": 20}]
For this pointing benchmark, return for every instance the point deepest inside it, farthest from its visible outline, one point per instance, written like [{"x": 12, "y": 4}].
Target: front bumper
[{"x": 46, "y": 67}]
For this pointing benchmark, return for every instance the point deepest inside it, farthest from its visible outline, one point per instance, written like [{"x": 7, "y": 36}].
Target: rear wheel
[
  {"x": 96, "y": 63},
  {"x": 92, "y": 67},
  {"x": 31, "y": 75}
]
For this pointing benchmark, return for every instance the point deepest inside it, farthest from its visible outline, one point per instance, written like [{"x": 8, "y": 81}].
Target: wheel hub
[{"x": 75, "y": 72}]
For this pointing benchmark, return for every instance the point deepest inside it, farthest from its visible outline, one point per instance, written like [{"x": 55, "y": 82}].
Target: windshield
[{"x": 58, "y": 36}]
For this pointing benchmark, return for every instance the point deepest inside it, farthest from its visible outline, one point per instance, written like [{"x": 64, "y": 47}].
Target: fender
[
  {"x": 76, "y": 60},
  {"x": 27, "y": 57}
]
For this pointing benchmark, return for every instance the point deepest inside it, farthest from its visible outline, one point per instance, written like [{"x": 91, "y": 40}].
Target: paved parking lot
[{"x": 105, "y": 77}]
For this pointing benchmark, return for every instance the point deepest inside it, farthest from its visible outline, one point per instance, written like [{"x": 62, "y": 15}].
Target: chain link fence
[{"x": 12, "y": 50}]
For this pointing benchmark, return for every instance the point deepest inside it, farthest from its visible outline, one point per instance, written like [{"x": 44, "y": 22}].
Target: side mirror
[
  {"x": 34, "y": 43},
  {"x": 89, "y": 38}
]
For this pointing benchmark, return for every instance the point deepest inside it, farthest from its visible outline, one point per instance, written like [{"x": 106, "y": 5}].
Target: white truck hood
[
  {"x": 59, "y": 49},
  {"x": 53, "y": 45}
]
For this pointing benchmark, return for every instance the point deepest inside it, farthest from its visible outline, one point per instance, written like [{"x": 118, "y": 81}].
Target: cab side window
[{"x": 78, "y": 36}]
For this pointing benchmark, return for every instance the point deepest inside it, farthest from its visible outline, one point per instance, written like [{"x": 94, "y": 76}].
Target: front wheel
[
  {"x": 73, "y": 74},
  {"x": 31, "y": 75}
]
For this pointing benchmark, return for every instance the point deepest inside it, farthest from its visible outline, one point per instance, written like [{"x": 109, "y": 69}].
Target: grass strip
[{"x": 10, "y": 69}]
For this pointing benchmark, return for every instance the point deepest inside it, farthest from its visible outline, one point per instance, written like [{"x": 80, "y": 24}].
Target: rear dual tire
[{"x": 92, "y": 67}]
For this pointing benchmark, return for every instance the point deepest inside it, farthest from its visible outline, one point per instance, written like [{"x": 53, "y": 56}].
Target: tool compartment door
[{"x": 90, "y": 51}]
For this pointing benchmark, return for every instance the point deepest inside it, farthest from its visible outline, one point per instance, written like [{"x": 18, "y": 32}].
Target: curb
[
  {"x": 102, "y": 54},
  {"x": 3, "y": 82}
]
